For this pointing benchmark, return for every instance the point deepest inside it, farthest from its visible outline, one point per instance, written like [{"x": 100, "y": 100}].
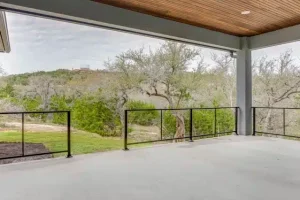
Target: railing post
[
  {"x": 236, "y": 120},
  {"x": 254, "y": 122},
  {"x": 69, "y": 134},
  {"x": 161, "y": 124},
  {"x": 215, "y": 131},
  {"x": 191, "y": 125},
  {"x": 23, "y": 144},
  {"x": 126, "y": 130},
  {"x": 283, "y": 121}
]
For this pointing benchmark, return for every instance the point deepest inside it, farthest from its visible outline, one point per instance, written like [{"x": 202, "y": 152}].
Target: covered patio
[
  {"x": 232, "y": 167},
  {"x": 229, "y": 167},
  {"x": 234, "y": 26}
]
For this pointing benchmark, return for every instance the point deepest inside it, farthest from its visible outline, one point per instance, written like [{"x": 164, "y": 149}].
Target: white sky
[{"x": 43, "y": 45}]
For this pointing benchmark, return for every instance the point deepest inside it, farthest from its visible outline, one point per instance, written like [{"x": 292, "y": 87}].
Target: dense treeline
[{"x": 92, "y": 111}]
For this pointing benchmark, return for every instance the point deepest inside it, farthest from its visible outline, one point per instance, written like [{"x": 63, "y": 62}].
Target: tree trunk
[
  {"x": 231, "y": 98},
  {"x": 180, "y": 128},
  {"x": 120, "y": 110},
  {"x": 268, "y": 121},
  {"x": 122, "y": 119}
]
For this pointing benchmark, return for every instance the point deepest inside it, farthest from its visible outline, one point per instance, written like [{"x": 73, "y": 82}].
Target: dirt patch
[
  {"x": 144, "y": 133},
  {"x": 15, "y": 149},
  {"x": 33, "y": 127}
]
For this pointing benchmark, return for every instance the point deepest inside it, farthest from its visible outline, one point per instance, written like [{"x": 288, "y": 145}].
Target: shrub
[
  {"x": 60, "y": 103},
  {"x": 203, "y": 122},
  {"x": 33, "y": 104},
  {"x": 92, "y": 114},
  {"x": 88, "y": 113},
  {"x": 145, "y": 118},
  {"x": 169, "y": 123}
]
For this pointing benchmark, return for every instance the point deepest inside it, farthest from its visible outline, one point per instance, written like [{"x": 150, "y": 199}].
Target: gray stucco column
[{"x": 244, "y": 88}]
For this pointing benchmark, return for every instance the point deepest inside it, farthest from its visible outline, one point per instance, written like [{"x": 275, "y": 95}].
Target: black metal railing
[
  {"x": 23, "y": 134},
  {"x": 190, "y": 136},
  {"x": 284, "y": 124}
]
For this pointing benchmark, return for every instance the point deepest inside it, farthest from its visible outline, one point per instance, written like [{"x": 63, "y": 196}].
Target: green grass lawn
[{"x": 82, "y": 142}]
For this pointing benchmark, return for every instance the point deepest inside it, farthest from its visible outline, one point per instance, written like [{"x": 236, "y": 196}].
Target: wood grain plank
[{"x": 221, "y": 15}]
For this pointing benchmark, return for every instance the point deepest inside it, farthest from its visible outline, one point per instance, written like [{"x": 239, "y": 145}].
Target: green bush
[
  {"x": 32, "y": 104},
  {"x": 169, "y": 123},
  {"x": 225, "y": 120},
  {"x": 60, "y": 103},
  {"x": 145, "y": 118},
  {"x": 203, "y": 122},
  {"x": 88, "y": 113},
  {"x": 92, "y": 114},
  {"x": 7, "y": 91}
]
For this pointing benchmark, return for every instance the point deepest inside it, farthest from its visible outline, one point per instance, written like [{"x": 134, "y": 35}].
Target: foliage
[
  {"x": 145, "y": 118},
  {"x": 276, "y": 80},
  {"x": 169, "y": 124},
  {"x": 203, "y": 122},
  {"x": 91, "y": 114},
  {"x": 60, "y": 103},
  {"x": 23, "y": 79},
  {"x": 173, "y": 74},
  {"x": 128, "y": 80},
  {"x": 8, "y": 105},
  {"x": 7, "y": 91},
  {"x": 163, "y": 73},
  {"x": 276, "y": 83},
  {"x": 31, "y": 104}
]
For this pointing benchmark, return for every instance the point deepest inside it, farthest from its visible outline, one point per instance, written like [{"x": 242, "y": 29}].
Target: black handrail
[
  {"x": 283, "y": 121},
  {"x": 289, "y": 108},
  {"x": 191, "y": 136},
  {"x": 68, "y": 150},
  {"x": 33, "y": 112},
  {"x": 167, "y": 109}
]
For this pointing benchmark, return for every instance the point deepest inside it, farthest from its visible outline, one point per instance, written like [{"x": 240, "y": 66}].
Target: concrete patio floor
[{"x": 233, "y": 167}]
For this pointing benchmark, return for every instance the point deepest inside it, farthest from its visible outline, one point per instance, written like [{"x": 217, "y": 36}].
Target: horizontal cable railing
[
  {"x": 191, "y": 120},
  {"x": 276, "y": 108},
  {"x": 23, "y": 135},
  {"x": 271, "y": 123}
]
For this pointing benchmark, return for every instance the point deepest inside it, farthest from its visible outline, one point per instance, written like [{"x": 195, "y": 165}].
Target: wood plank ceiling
[{"x": 221, "y": 15}]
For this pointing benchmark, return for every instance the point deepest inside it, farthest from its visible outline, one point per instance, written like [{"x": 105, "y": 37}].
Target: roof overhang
[
  {"x": 282, "y": 36},
  {"x": 97, "y": 14},
  {"x": 4, "y": 38},
  {"x": 102, "y": 15}
]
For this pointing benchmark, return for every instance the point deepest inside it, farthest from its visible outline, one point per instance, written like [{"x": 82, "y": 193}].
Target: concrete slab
[{"x": 234, "y": 167}]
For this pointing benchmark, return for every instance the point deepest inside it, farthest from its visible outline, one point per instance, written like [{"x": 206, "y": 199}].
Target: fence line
[
  {"x": 191, "y": 136},
  {"x": 68, "y": 150},
  {"x": 254, "y": 128}
]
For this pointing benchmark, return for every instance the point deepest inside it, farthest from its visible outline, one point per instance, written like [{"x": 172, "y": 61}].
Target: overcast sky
[{"x": 42, "y": 45}]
